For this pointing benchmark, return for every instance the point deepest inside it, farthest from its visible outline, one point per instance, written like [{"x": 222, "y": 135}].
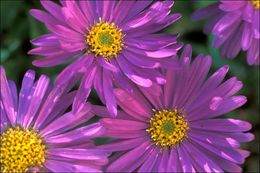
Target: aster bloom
[
  {"x": 36, "y": 134},
  {"x": 235, "y": 25},
  {"x": 179, "y": 131},
  {"x": 112, "y": 40}
]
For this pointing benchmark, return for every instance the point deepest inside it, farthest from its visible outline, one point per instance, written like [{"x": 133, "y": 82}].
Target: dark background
[{"x": 18, "y": 28}]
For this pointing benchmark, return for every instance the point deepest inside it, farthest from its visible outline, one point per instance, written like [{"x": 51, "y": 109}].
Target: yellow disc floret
[
  {"x": 21, "y": 149},
  {"x": 256, "y": 3},
  {"x": 105, "y": 39},
  {"x": 167, "y": 127}
]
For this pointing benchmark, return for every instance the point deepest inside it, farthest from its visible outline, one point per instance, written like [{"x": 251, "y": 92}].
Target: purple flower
[
  {"x": 235, "y": 25},
  {"x": 179, "y": 131},
  {"x": 36, "y": 134},
  {"x": 113, "y": 40}
]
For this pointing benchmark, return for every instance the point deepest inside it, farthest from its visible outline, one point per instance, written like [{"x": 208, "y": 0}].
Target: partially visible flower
[
  {"x": 113, "y": 40},
  {"x": 235, "y": 25},
  {"x": 36, "y": 134},
  {"x": 179, "y": 131}
]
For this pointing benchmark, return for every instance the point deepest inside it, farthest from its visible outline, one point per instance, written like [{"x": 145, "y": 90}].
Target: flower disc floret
[
  {"x": 21, "y": 149},
  {"x": 256, "y": 4},
  {"x": 167, "y": 127},
  {"x": 105, "y": 39}
]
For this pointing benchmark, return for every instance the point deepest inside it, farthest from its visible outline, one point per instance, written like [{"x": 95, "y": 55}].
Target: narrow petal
[
  {"x": 7, "y": 98},
  {"x": 222, "y": 125},
  {"x": 130, "y": 157}
]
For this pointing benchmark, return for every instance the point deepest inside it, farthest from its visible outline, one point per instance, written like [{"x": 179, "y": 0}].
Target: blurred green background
[{"x": 18, "y": 28}]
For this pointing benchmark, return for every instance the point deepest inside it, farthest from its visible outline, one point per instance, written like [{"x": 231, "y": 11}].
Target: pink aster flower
[
  {"x": 109, "y": 40},
  {"x": 36, "y": 134},
  {"x": 179, "y": 131},
  {"x": 235, "y": 25}
]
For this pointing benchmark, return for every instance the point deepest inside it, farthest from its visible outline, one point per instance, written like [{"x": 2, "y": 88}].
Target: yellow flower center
[
  {"x": 256, "y": 3},
  {"x": 167, "y": 127},
  {"x": 105, "y": 39},
  {"x": 21, "y": 149}
]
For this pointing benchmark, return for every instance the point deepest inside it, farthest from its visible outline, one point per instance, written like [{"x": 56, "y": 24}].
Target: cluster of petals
[
  {"x": 235, "y": 25},
  {"x": 42, "y": 107},
  {"x": 143, "y": 51},
  {"x": 212, "y": 143},
  {"x": 140, "y": 77}
]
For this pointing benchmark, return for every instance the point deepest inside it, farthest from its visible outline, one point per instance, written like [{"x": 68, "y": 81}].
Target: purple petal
[
  {"x": 226, "y": 22},
  {"x": 184, "y": 157},
  {"x": 223, "y": 152},
  {"x": 222, "y": 125},
  {"x": 132, "y": 75},
  {"x": 68, "y": 120},
  {"x": 139, "y": 61},
  {"x": 84, "y": 88},
  {"x": 174, "y": 164},
  {"x": 80, "y": 154},
  {"x": 109, "y": 96},
  {"x": 123, "y": 145},
  {"x": 7, "y": 98},
  {"x": 206, "y": 12},
  {"x": 213, "y": 138},
  {"x": 130, "y": 157},
  {"x": 47, "y": 39},
  {"x": 134, "y": 104},
  {"x": 203, "y": 163},
  {"x": 121, "y": 11},
  {"x": 248, "y": 13},
  {"x": 164, "y": 161},
  {"x": 117, "y": 124},
  {"x": 76, "y": 137},
  {"x": 231, "y": 6},
  {"x": 149, "y": 163},
  {"x": 53, "y": 9},
  {"x": 37, "y": 98},
  {"x": 59, "y": 166},
  {"x": 43, "y": 17}
]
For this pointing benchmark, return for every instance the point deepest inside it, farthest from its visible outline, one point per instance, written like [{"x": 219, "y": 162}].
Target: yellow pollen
[
  {"x": 21, "y": 149},
  {"x": 256, "y": 3},
  {"x": 105, "y": 39},
  {"x": 167, "y": 127}
]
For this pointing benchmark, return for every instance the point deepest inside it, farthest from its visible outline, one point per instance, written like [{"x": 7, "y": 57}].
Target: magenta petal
[
  {"x": 81, "y": 154},
  {"x": 123, "y": 145},
  {"x": 68, "y": 120},
  {"x": 36, "y": 100},
  {"x": 78, "y": 135},
  {"x": 7, "y": 98},
  {"x": 224, "y": 152},
  {"x": 121, "y": 11},
  {"x": 43, "y": 17},
  {"x": 174, "y": 164},
  {"x": 130, "y": 157},
  {"x": 214, "y": 138},
  {"x": 203, "y": 162},
  {"x": 53, "y": 9},
  {"x": 149, "y": 163},
  {"x": 60, "y": 166},
  {"x": 206, "y": 12},
  {"x": 222, "y": 125},
  {"x": 84, "y": 89},
  {"x": 109, "y": 96},
  {"x": 132, "y": 75},
  {"x": 132, "y": 105},
  {"x": 184, "y": 157},
  {"x": 123, "y": 124}
]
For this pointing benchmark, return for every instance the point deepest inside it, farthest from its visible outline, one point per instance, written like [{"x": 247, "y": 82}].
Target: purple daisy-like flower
[
  {"x": 179, "y": 131},
  {"x": 36, "y": 134},
  {"x": 235, "y": 25},
  {"x": 113, "y": 40}
]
